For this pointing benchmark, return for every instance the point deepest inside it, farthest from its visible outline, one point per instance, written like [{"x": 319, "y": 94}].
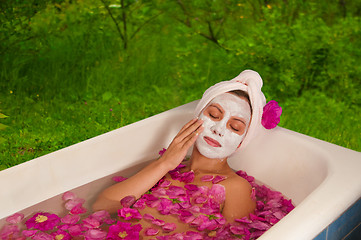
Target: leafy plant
[{"x": 2, "y": 126}]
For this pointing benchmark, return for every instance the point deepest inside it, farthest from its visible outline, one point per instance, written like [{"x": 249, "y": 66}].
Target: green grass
[
  {"x": 73, "y": 80},
  {"x": 37, "y": 127}
]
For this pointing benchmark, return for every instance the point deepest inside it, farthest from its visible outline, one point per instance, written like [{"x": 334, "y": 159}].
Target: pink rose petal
[
  {"x": 78, "y": 209},
  {"x": 151, "y": 231},
  {"x": 127, "y": 201},
  {"x": 158, "y": 222},
  {"x": 243, "y": 220},
  {"x": 148, "y": 216},
  {"x": 15, "y": 218},
  {"x": 69, "y": 205},
  {"x": 169, "y": 227},
  {"x": 75, "y": 230},
  {"x": 218, "y": 179},
  {"x": 42, "y": 236},
  {"x": 259, "y": 225},
  {"x": 29, "y": 233},
  {"x": 253, "y": 194},
  {"x": 161, "y": 152},
  {"x": 8, "y": 230},
  {"x": 207, "y": 178},
  {"x": 165, "y": 183},
  {"x": 68, "y": 196},
  {"x": 119, "y": 178},
  {"x": 95, "y": 234},
  {"x": 70, "y": 219},
  {"x": 91, "y": 222}
]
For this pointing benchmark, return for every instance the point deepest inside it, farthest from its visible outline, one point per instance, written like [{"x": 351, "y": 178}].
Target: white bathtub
[{"x": 322, "y": 179}]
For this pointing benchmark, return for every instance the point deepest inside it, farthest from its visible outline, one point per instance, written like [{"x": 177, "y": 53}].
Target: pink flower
[
  {"x": 124, "y": 230},
  {"x": 129, "y": 213},
  {"x": 271, "y": 114},
  {"x": 61, "y": 235},
  {"x": 15, "y": 218},
  {"x": 43, "y": 221}
]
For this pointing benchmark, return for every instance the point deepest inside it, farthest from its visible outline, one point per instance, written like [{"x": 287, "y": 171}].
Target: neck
[{"x": 200, "y": 163}]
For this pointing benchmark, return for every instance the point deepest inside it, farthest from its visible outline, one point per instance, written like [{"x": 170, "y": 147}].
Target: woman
[{"x": 227, "y": 117}]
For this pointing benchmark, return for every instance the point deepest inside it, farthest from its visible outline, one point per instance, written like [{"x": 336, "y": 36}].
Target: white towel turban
[{"x": 248, "y": 81}]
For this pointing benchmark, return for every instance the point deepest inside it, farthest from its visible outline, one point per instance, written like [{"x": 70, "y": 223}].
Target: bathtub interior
[
  {"x": 284, "y": 160},
  {"x": 284, "y": 163}
]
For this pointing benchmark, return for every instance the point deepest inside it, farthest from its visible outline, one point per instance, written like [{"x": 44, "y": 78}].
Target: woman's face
[{"x": 226, "y": 120}]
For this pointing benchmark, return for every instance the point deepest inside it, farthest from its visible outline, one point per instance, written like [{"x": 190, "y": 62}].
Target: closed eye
[
  {"x": 212, "y": 116},
  {"x": 235, "y": 129}
]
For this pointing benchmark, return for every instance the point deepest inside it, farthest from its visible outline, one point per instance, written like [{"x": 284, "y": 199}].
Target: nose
[{"x": 218, "y": 129}]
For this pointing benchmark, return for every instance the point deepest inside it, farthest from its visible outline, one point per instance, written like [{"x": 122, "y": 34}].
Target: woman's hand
[
  {"x": 142, "y": 181},
  {"x": 178, "y": 148}
]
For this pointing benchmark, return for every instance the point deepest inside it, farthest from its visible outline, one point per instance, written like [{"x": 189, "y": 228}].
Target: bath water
[{"x": 89, "y": 192}]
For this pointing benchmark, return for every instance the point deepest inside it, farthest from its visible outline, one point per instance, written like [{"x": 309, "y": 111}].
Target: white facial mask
[{"x": 217, "y": 140}]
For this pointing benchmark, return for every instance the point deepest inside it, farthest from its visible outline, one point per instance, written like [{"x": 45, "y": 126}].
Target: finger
[
  {"x": 187, "y": 125},
  {"x": 190, "y": 140},
  {"x": 192, "y": 128}
]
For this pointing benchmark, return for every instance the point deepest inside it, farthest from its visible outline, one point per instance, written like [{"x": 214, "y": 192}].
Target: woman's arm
[{"x": 141, "y": 182}]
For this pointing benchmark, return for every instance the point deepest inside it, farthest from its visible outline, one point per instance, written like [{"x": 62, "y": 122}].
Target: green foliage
[
  {"x": 325, "y": 118},
  {"x": 2, "y": 126},
  {"x": 73, "y": 69}
]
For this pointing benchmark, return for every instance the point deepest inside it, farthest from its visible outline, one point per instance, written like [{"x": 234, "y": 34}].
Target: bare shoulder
[
  {"x": 238, "y": 202},
  {"x": 236, "y": 182}
]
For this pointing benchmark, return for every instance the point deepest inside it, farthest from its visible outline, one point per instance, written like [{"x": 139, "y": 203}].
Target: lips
[{"x": 212, "y": 142}]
